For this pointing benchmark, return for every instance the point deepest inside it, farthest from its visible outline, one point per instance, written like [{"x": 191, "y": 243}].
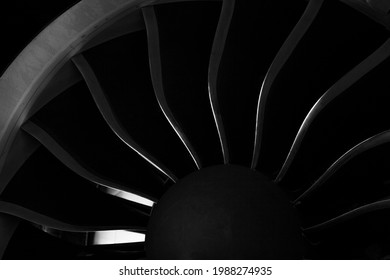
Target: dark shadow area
[
  {"x": 122, "y": 67},
  {"x": 45, "y": 186},
  {"x": 357, "y": 114},
  {"x": 29, "y": 242},
  {"x": 186, "y": 36},
  {"x": 257, "y": 31},
  {"x": 73, "y": 120},
  {"x": 338, "y": 39}
]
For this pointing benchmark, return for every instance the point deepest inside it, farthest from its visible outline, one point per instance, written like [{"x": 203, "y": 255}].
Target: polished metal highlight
[
  {"x": 215, "y": 61},
  {"x": 108, "y": 115},
  {"x": 350, "y": 215},
  {"x": 370, "y": 143},
  {"x": 156, "y": 74},
  {"x": 282, "y": 56},
  {"x": 127, "y": 196},
  {"x": 93, "y": 238},
  {"x": 67, "y": 159},
  {"x": 382, "y": 53}
]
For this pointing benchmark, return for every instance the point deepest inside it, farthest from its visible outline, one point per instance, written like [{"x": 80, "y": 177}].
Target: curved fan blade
[
  {"x": 281, "y": 58},
  {"x": 185, "y": 46},
  {"x": 370, "y": 143},
  {"x": 109, "y": 116},
  {"x": 337, "y": 89},
  {"x": 375, "y": 206},
  {"x": 131, "y": 98},
  {"x": 254, "y": 37},
  {"x": 325, "y": 54},
  {"x": 156, "y": 73}
]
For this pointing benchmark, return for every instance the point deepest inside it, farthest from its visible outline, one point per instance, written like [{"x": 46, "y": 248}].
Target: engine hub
[{"x": 224, "y": 212}]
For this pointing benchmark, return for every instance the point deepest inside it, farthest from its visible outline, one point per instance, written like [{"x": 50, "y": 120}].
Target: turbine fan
[{"x": 199, "y": 130}]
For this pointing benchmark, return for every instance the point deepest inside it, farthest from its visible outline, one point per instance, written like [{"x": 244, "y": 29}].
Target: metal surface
[
  {"x": 37, "y": 75},
  {"x": 284, "y": 53},
  {"x": 93, "y": 238},
  {"x": 375, "y": 9},
  {"x": 124, "y": 25},
  {"x": 370, "y": 143},
  {"x": 215, "y": 61},
  {"x": 126, "y": 195},
  {"x": 355, "y": 213},
  {"x": 43, "y": 71},
  {"x": 68, "y": 160},
  {"x": 109, "y": 116},
  {"x": 156, "y": 74},
  {"x": 337, "y": 89},
  {"x": 34, "y": 68},
  {"x": 40, "y": 219}
]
